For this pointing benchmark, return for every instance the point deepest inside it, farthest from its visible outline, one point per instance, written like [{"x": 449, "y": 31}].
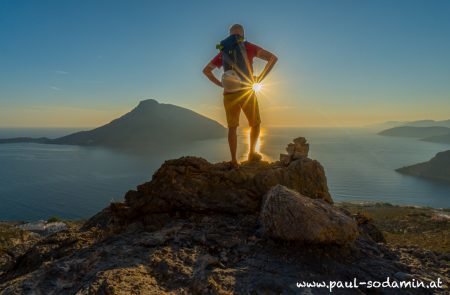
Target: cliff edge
[{"x": 202, "y": 228}]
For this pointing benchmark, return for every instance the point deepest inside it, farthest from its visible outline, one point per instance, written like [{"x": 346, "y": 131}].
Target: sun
[{"x": 257, "y": 87}]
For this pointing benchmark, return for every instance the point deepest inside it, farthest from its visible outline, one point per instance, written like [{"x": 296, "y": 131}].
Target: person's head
[{"x": 237, "y": 29}]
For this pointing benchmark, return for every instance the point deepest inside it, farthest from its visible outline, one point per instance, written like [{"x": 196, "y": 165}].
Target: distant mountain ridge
[
  {"x": 438, "y": 138},
  {"x": 429, "y": 123},
  {"x": 437, "y": 133},
  {"x": 25, "y": 139},
  {"x": 419, "y": 123},
  {"x": 437, "y": 168},
  {"x": 417, "y": 132},
  {"x": 149, "y": 124}
]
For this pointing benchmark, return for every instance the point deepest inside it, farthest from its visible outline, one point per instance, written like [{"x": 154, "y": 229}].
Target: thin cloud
[
  {"x": 55, "y": 88},
  {"x": 61, "y": 72}
]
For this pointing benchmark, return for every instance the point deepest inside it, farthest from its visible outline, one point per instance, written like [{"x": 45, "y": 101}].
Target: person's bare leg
[
  {"x": 232, "y": 142},
  {"x": 254, "y": 135}
]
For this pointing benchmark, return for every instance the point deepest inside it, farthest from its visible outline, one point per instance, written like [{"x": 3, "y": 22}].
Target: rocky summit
[{"x": 203, "y": 228}]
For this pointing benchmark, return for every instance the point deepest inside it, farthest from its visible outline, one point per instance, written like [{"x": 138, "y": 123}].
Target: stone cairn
[{"x": 297, "y": 150}]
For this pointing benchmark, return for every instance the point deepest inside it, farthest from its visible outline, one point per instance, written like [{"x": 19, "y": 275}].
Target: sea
[{"x": 38, "y": 181}]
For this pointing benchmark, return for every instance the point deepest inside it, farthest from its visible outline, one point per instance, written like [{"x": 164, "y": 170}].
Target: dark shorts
[{"x": 245, "y": 100}]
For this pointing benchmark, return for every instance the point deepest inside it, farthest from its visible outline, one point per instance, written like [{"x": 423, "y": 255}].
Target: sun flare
[
  {"x": 259, "y": 144},
  {"x": 257, "y": 87}
]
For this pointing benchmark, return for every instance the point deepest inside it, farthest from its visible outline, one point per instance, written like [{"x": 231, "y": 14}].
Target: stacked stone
[{"x": 298, "y": 149}]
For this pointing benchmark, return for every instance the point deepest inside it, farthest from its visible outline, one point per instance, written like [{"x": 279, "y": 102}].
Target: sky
[{"x": 341, "y": 63}]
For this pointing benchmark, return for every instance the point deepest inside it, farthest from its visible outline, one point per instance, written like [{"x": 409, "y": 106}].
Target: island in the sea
[
  {"x": 418, "y": 123},
  {"x": 436, "y": 168},
  {"x": 149, "y": 124},
  {"x": 416, "y": 132},
  {"x": 425, "y": 130},
  {"x": 445, "y": 138}
]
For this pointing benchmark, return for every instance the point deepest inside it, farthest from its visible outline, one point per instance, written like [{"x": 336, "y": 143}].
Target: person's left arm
[{"x": 271, "y": 60}]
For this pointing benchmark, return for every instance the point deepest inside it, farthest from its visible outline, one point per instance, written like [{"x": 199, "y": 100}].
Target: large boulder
[
  {"x": 288, "y": 215},
  {"x": 192, "y": 184}
]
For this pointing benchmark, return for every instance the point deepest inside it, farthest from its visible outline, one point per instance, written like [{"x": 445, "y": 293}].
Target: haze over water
[{"x": 38, "y": 181}]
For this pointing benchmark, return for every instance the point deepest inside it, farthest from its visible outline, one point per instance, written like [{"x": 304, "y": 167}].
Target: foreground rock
[
  {"x": 16, "y": 238},
  {"x": 192, "y": 184},
  {"x": 287, "y": 215},
  {"x": 196, "y": 229},
  {"x": 14, "y": 242}
]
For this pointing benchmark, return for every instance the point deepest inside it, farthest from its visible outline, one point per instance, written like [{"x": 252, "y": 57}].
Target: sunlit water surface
[{"x": 38, "y": 181}]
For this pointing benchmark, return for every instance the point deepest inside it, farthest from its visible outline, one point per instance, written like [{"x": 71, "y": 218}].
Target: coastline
[{"x": 412, "y": 226}]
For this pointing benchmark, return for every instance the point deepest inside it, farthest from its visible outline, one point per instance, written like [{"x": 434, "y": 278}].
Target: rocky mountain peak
[{"x": 147, "y": 103}]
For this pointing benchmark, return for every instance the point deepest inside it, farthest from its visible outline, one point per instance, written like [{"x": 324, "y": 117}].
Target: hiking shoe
[{"x": 254, "y": 157}]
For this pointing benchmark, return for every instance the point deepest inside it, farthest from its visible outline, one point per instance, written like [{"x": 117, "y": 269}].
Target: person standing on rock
[{"x": 236, "y": 56}]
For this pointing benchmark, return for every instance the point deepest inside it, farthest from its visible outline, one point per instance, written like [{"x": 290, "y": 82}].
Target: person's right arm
[{"x": 208, "y": 71}]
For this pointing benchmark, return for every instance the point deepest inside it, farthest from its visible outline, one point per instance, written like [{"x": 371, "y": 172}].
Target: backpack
[{"x": 234, "y": 56}]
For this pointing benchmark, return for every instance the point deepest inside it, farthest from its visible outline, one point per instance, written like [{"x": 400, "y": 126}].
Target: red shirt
[{"x": 251, "y": 49}]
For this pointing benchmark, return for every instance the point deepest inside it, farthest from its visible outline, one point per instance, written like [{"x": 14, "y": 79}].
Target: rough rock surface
[
  {"x": 193, "y": 184},
  {"x": 287, "y": 215},
  {"x": 297, "y": 150},
  {"x": 14, "y": 242},
  {"x": 196, "y": 229}
]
